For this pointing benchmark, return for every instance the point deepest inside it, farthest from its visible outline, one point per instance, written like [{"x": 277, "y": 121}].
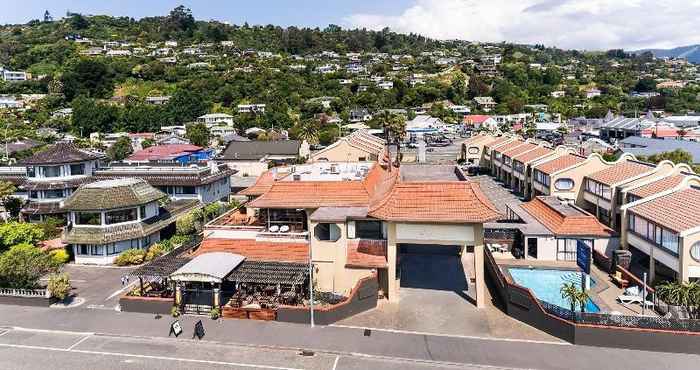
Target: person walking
[{"x": 123, "y": 279}]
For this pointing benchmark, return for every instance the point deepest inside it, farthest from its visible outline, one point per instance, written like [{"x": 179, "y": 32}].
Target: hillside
[{"x": 691, "y": 52}]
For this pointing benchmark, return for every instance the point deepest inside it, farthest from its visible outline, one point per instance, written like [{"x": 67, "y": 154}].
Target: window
[
  {"x": 83, "y": 250},
  {"x": 88, "y": 218},
  {"x": 655, "y": 234},
  {"x": 34, "y": 194},
  {"x": 53, "y": 194},
  {"x": 186, "y": 190},
  {"x": 362, "y": 159},
  {"x": 327, "y": 232},
  {"x": 31, "y": 172},
  {"x": 497, "y": 155},
  {"x": 518, "y": 167},
  {"x": 473, "y": 150},
  {"x": 122, "y": 215},
  {"x": 507, "y": 160},
  {"x": 566, "y": 248},
  {"x": 366, "y": 229},
  {"x": 96, "y": 250},
  {"x": 77, "y": 169},
  {"x": 542, "y": 178},
  {"x": 564, "y": 184},
  {"x": 52, "y": 171},
  {"x": 142, "y": 210},
  {"x": 695, "y": 251},
  {"x": 598, "y": 189},
  {"x": 112, "y": 249}
]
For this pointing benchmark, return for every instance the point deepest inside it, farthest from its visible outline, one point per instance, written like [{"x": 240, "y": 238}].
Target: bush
[
  {"x": 51, "y": 227},
  {"x": 130, "y": 257},
  {"x": 22, "y": 266},
  {"x": 59, "y": 285},
  {"x": 13, "y": 233},
  {"x": 186, "y": 225},
  {"x": 214, "y": 313},
  {"x": 59, "y": 257},
  {"x": 179, "y": 240},
  {"x": 154, "y": 251}
]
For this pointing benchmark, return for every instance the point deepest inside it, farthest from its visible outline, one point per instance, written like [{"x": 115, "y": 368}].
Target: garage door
[{"x": 452, "y": 250}]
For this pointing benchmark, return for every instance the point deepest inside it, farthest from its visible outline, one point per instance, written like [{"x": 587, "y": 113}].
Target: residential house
[
  {"x": 13, "y": 76},
  {"x": 485, "y": 103},
  {"x": 252, "y": 158},
  {"x": 359, "y": 146},
  {"x": 251, "y": 108},
  {"x": 563, "y": 176},
  {"x": 592, "y": 93},
  {"x": 213, "y": 119},
  {"x": 111, "y": 216},
  {"x": 157, "y": 100},
  {"x": 360, "y": 115},
  {"x": 179, "y": 153}
]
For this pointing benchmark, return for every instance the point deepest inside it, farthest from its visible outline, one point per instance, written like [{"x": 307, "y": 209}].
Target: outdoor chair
[
  {"x": 284, "y": 229},
  {"x": 627, "y": 299},
  {"x": 619, "y": 281},
  {"x": 274, "y": 228}
]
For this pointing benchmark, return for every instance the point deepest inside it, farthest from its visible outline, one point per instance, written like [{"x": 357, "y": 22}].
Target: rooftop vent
[{"x": 296, "y": 177}]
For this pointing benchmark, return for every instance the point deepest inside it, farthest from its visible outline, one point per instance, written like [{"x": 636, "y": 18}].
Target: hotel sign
[{"x": 583, "y": 256}]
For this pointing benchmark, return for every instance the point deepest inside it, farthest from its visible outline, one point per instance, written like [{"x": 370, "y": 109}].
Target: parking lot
[{"x": 97, "y": 287}]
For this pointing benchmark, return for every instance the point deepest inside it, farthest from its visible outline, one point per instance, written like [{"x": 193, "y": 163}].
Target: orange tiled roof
[
  {"x": 499, "y": 140},
  {"x": 447, "y": 202},
  {"x": 620, "y": 171},
  {"x": 561, "y": 163},
  {"x": 526, "y": 147},
  {"x": 508, "y": 146},
  {"x": 532, "y": 155},
  {"x": 313, "y": 194},
  {"x": 678, "y": 211},
  {"x": 657, "y": 186},
  {"x": 583, "y": 224},
  {"x": 257, "y": 251},
  {"x": 366, "y": 253},
  {"x": 262, "y": 184}
]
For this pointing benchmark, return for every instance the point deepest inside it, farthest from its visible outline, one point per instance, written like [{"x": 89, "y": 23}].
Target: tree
[
  {"x": 677, "y": 156},
  {"x": 186, "y": 105},
  {"x": 571, "y": 293},
  {"x": 6, "y": 190},
  {"x": 180, "y": 19},
  {"x": 120, "y": 149},
  {"x": 307, "y": 130},
  {"x": 198, "y": 134},
  {"x": 645, "y": 85},
  {"x": 13, "y": 206},
  {"x": 89, "y": 77},
  {"x": 23, "y": 265},
  {"x": 684, "y": 295},
  {"x": 147, "y": 143},
  {"x": 13, "y": 233}
]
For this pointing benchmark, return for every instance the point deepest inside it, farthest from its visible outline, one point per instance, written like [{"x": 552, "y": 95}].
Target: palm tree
[
  {"x": 308, "y": 130},
  {"x": 571, "y": 293},
  {"x": 395, "y": 129}
]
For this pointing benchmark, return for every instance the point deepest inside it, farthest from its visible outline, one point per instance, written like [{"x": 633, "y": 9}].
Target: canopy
[
  {"x": 264, "y": 272},
  {"x": 209, "y": 267}
]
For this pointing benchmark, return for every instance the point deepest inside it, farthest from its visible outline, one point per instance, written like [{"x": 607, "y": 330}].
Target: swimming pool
[{"x": 546, "y": 284}]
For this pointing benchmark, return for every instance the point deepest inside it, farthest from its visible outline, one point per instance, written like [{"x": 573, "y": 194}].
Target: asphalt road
[{"x": 33, "y": 349}]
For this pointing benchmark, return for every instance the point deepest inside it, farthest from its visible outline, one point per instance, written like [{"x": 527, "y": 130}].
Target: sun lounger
[{"x": 629, "y": 299}]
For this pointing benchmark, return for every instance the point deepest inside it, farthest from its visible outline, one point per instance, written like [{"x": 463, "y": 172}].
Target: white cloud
[{"x": 576, "y": 24}]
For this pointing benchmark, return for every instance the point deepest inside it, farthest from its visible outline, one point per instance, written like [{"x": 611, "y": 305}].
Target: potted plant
[
  {"x": 175, "y": 311},
  {"x": 215, "y": 313}
]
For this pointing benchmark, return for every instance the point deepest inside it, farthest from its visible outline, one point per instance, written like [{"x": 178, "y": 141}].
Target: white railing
[{"x": 35, "y": 293}]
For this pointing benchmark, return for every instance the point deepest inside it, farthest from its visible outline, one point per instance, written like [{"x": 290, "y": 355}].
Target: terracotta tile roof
[
  {"x": 366, "y": 253},
  {"x": 532, "y": 155},
  {"x": 561, "y": 163},
  {"x": 499, "y": 140},
  {"x": 657, "y": 186},
  {"x": 313, "y": 194},
  {"x": 446, "y": 202},
  {"x": 364, "y": 140},
  {"x": 559, "y": 222},
  {"x": 678, "y": 211},
  {"x": 262, "y": 184},
  {"x": 524, "y": 148},
  {"x": 621, "y": 171},
  {"x": 257, "y": 251},
  {"x": 508, "y": 146}
]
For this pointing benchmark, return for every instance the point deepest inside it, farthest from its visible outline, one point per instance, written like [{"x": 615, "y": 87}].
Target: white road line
[
  {"x": 4, "y": 332},
  {"x": 50, "y": 331},
  {"x": 149, "y": 357},
  {"x": 83, "y": 339},
  {"x": 335, "y": 363},
  {"x": 397, "y": 331},
  {"x": 120, "y": 291}
]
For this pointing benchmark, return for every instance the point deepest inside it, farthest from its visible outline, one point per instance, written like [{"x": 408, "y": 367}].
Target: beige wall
[
  {"x": 248, "y": 168},
  {"x": 689, "y": 268},
  {"x": 342, "y": 152},
  {"x": 592, "y": 164}
]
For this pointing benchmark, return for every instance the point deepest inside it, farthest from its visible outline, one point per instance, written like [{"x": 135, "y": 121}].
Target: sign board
[
  {"x": 175, "y": 328},
  {"x": 583, "y": 256},
  {"x": 198, "y": 330}
]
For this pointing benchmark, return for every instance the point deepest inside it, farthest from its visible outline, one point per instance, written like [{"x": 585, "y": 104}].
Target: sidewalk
[{"x": 340, "y": 340}]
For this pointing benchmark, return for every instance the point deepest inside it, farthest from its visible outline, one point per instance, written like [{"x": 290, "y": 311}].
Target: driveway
[
  {"x": 434, "y": 298},
  {"x": 99, "y": 287}
]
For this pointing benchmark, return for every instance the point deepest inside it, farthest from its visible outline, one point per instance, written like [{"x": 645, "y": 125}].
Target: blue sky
[
  {"x": 278, "y": 12},
  {"x": 574, "y": 24}
]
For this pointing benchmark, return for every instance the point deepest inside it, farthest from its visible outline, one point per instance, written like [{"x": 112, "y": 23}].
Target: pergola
[
  {"x": 272, "y": 273},
  {"x": 161, "y": 267}
]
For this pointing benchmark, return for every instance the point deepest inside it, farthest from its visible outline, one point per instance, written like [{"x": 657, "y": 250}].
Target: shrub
[
  {"x": 154, "y": 251},
  {"x": 174, "y": 311},
  {"x": 22, "y": 266},
  {"x": 214, "y": 313},
  {"x": 179, "y": 240},
  {"x": 51, "y": 227},
  {"x": 130, "y": 257},
  {"x": 59, "y": 257},
  {"x": 13, "y": 233},
  {"x": 186, "y": 225},
  {"x": 59, "y": 285}
]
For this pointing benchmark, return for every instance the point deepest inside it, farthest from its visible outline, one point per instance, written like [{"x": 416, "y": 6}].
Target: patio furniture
[
  {"x": 629, "y": 299},
  {"x": 633, "y": 290},
  {"x": 274, "y": 228},
  {"x": 619, "y": 281},
  {"x": 284, "y": 229}
]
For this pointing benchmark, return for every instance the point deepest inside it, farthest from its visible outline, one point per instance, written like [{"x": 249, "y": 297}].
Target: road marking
[
  {"x": 397, "y": 331},
  {"x": 50, "y": 331},
  {"x": 148, "y": 357},
  {"x": 4, "y": 332},
  {"x": 120, "y": 291},
  {"x": 83, "y": 339},
  {"x": 335, "y": 363}
]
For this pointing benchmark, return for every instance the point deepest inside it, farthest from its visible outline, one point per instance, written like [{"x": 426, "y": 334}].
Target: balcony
[
  {"x": 267, "y": 226},
  {"x": 597, "y": 200}
]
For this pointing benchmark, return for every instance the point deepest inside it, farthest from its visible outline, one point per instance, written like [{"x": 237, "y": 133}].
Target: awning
[
  {"x": 209, "y": 267},
  {"x": 261, "y": 272}
]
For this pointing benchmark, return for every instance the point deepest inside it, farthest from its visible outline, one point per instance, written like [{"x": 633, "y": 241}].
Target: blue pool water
[{"x": 546, "y": 284}]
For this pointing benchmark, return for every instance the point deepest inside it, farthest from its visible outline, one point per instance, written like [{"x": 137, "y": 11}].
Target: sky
[{"x": 571, "y": 24}]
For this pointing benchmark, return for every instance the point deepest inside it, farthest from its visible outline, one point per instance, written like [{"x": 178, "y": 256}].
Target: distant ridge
[{"x": 691, "y": 52}]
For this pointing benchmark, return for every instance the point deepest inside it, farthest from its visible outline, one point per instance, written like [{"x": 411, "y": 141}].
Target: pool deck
[{"x": 604, "y": 293}]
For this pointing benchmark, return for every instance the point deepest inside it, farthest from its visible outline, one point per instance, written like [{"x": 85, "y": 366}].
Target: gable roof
[
  {"x": 262, "y": 184},
  {"x": 508, "y": 146},
  {"x": 678, "y": 211},
  {"x": 435, "y": 202},
  {"x": 61, "y": 153},
  {"x": 524, "y": 148},
  {"x": 564, "y": 219},
  {"x": 256, "y": 149},
  {"x": 621, "y": 171},
  {"x": 532, "y": 155},
  {"x": 561, "y": 163},
  {"x": 657, "y": 186}
]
